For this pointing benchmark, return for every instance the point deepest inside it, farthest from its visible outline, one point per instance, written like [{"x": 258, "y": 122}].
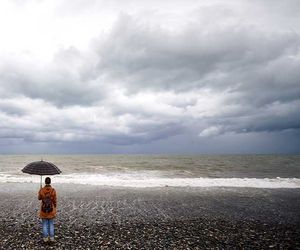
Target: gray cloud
[
  {"x": 63, "y": 81},
  {"x": 221, "y": 72},
  {"x": 258, "y": 66},
  {"x": 151, "y": 57}
]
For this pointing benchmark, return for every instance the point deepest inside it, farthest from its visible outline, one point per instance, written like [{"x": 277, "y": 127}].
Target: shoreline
[
  {"x": 112, "y": 218},
  {"x": 141, "y": 181}
]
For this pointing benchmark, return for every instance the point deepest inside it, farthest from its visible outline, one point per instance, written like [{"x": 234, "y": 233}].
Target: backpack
[{"x": 47, "y": 204}]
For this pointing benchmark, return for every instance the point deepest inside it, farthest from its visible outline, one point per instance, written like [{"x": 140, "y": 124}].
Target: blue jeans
[{"x": 48, "y": 227}]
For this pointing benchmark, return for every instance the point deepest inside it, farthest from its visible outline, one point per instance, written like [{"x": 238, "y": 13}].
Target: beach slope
[{"x": 95, "y": 217}]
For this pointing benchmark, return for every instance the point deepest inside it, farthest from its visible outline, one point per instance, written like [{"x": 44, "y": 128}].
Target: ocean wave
[{"x": 138, "y": 180}]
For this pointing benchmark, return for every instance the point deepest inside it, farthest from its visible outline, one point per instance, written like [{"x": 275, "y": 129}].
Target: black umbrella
[{"x": 41, "y": 168}]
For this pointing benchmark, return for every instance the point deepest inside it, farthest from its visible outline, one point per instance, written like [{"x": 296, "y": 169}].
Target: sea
[{"x": 146, "y": 171}]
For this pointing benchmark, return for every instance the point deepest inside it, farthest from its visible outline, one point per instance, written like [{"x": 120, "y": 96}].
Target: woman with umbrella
[{"x": 47, "y": 195}]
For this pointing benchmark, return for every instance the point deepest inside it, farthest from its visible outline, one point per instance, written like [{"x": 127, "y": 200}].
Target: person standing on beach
[{"x": 47, "y": 195}]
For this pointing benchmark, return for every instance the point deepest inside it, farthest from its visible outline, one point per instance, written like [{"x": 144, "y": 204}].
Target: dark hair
[{"x": 48, "y": 180}]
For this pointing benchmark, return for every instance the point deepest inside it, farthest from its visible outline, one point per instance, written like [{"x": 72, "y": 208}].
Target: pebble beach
[{"x": 92, "y": 217}]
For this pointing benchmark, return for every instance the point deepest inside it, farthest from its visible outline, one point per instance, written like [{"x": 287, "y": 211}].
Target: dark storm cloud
[
  {"x": 196, "y": 56},
  {"x": 258, "y": 66},
  {"x": 144, "y": 135}
]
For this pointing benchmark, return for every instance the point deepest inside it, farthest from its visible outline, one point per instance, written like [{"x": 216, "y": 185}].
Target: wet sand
[{"x": 94, "y": 217}]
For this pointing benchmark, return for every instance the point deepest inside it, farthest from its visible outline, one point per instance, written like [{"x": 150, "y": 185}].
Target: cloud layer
[{"x": 147, "y": 74}]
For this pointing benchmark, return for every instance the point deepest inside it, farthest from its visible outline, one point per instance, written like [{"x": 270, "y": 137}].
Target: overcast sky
[{"x": 135, "y": 76}]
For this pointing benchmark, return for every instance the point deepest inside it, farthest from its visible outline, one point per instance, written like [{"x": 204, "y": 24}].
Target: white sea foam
[{"x": 142, "y": 180}]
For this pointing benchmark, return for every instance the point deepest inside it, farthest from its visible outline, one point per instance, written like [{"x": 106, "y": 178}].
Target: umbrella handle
[{"x": 41, "y": 182}]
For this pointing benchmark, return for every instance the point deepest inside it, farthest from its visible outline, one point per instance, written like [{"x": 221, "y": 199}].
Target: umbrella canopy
[{"x": 41, "y": 168}]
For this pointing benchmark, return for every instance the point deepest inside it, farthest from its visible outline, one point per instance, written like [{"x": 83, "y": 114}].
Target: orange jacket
[{"x": 42, "y": 194}]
